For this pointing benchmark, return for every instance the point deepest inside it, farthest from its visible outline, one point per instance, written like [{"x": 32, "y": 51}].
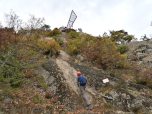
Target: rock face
[
  {"x": 127, "y": 96},
  {"x": 60, "y": 76},
  {"x": 123, "y": 100},
  {"x": 94, "y": 76},
  {"x": 61, "y": 79},
  {"x": 142, "y": 54}
]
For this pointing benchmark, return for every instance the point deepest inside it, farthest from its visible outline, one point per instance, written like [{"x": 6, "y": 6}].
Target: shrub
[
  {"x": 53, "y": 33},
  {"x": 51, "y": 47},
  {"x": 37, "y": 99},
  {"x": 143, "y": 77},
  {"x": 74, "y": 46},
  {"x": 122, "y": 48},
  {"x": 72, "y": 34},
  {"x": 88, "y": 38},
  {"x": 58, "y": 40},
  {"x": 103, "y": 51},
  {"x": 16, "y": 83},
  {"x": 11, "y": 72}
]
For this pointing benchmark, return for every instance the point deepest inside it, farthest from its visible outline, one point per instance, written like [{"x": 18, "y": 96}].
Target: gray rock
[
  {"x": 7, "y": 100},
  {"x": 52, "y": 88},
  {"x": 79, "y": 58},
  {"x": 139, "y": 62},
  {"x": 149, "y": 50},
  {"x": 141, "y": 55},
  {"x": 125, "y": 101}
]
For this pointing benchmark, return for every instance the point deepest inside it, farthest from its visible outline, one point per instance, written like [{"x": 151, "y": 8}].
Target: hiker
[{"x": 81, "y": 81}]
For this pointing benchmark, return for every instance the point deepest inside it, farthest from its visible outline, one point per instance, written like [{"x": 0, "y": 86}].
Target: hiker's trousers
[{"x": 82, "y": 89}]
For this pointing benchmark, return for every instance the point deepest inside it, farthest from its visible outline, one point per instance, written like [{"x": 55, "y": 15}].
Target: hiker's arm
[{"x": 78, "y": 83}]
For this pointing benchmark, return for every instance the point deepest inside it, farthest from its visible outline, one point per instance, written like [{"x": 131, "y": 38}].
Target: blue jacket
[{"x": 78, "y": 82}]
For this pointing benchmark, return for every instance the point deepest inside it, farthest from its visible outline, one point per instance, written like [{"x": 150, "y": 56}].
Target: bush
[
  {"x": 143, "y": 77},
  {"x": 51, "y": 47},
  {"x": 103, "y": 51},
  {"x": 74, "y": 46},
  {"x": 72, "y": 34},
  {"x": 122, "y": 48},
  {"x": 58, "y": 40},
  {"x": 87, "y": 38},
  {"x": 37, "y": 99},
  {"x": 53, "y": 33},
  {"x": 11, "y": 72},
  {"x": 16, "y": 83}
]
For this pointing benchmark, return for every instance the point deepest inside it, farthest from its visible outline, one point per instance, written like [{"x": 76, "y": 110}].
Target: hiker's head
[{"x": 78, "y": 73}]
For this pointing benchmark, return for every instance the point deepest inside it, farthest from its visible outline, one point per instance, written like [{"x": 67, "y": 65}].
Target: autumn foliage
[{"x": 103, "y": 51}]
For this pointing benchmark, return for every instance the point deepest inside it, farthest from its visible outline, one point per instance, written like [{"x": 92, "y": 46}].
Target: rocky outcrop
[
  {"x": 94, "y": 76},
  {"x": 123, "y": 100},
  {"x": 127, "y": 96},
  {"x": 60, "y": 76},
  {"x": 61, "y": 79},
  {"x": 142, "y": 54}
]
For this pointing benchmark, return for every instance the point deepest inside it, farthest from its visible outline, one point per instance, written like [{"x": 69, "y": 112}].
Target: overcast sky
[{"x": 94, "y": 16}]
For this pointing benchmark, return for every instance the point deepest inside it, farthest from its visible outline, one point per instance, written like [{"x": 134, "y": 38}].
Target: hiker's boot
[{"x": 89, "y": 107}]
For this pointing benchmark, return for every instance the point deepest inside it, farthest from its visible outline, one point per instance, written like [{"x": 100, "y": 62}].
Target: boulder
[{"x": 7, "y": 100}]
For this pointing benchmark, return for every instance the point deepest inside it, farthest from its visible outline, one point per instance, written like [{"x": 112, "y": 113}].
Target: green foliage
[
  {"x": 121, "y": 36},
  {"x": 74, "y": 46},
  {"x": 58, "y": 40},
  {"x": 11, "y": 72},
  {"x": 72, "y": 34},
  {"x": 87, "y": 38},
  {"x": 37, "y": 99},
  {"x": 41, "y": 83},
  {"x": 16, "y": 83},
  {"x": 122, "y": 48},
  {"x": 53, "y": 33}
]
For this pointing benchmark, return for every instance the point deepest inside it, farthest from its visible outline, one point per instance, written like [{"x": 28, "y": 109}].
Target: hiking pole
[{"x": 110, "y": 98}]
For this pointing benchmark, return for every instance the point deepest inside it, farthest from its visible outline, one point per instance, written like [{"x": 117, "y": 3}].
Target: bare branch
[{"x": 13, "y": 21}]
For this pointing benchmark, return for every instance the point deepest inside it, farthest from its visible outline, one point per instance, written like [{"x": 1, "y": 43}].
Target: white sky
[{"x": 94, "y": 16}]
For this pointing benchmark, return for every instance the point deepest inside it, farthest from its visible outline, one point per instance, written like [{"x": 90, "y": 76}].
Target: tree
[
  {"x": 13, "y": 21},
  {"x": 121, "y": 36},
  {"x": 145, "y": 38},
  {"x": 79, "y": 29},
  {"x": 46, "y": 27},
  {"x": 35, "y": 23}
]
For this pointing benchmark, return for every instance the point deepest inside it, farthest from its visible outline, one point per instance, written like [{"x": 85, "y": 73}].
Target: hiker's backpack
[{"x": 82, "y": 80}]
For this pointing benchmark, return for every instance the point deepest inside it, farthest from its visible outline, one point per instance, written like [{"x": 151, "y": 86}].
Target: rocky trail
[{"x": 60, "y": 76}]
